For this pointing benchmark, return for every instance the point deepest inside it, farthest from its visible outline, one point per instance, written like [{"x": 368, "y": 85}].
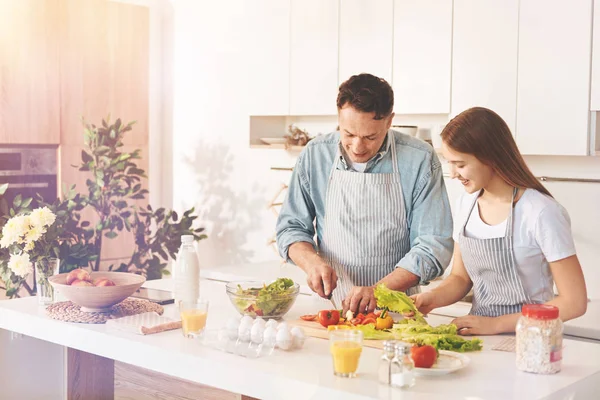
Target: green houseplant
[{"x": 114, "y": 182}]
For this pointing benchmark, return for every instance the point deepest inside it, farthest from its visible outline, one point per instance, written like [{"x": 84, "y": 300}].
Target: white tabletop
[{"x": 305, "y": 373}]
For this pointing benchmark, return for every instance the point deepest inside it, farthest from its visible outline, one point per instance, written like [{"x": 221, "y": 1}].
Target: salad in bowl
[{"x": 266, "y": 300}]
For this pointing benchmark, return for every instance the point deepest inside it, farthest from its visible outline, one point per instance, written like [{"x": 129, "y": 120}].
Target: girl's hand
[
  {"x": 425, "y": 302},
  {"x": 476, "y": 325}
]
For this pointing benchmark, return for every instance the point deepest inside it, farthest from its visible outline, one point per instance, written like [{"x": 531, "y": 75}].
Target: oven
[{"x": 29, "y": 171}]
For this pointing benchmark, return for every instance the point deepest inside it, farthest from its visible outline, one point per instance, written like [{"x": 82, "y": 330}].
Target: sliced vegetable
[
  {"x": 310, "y": 317},
  {"x": 368, "y": 320}
]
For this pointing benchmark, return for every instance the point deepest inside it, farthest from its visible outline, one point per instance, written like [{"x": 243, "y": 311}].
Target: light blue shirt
[{"x": 426, "y": 202}]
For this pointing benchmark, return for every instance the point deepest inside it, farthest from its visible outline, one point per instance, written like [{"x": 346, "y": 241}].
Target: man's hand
[
  {"x": 476, "y": 325},
  {"x": 322, "y": 279},
  {"x": 424, "y": 302},
  {"x": 360, "y": 299}
]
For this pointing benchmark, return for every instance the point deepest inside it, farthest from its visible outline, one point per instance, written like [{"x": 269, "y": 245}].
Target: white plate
[
  {"x": 447, "y": 362},
  {"x": 272, "y": 140}
]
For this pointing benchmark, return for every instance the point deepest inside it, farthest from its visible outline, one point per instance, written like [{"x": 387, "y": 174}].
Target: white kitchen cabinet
[
  {"x": 268, "y": 56},
  {"x": 314, "y": 57},
  {"x": 366, "y": 38},
  {"x": 484, "y": 57},
  {"x": 553, "y": 91},
  {"x": 422, "y": 53},
  {"x": 595, "y": 95}
]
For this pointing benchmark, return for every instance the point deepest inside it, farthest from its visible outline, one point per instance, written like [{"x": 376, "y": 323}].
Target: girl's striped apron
[
  {"x": 491, "y": 265},
  {"x": 365, "y": 231}
]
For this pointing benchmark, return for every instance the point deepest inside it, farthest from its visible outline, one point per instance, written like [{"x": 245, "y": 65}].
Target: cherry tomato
[
  {"x": 423, "y": 356},
  {"x": 329, "y": 317}
]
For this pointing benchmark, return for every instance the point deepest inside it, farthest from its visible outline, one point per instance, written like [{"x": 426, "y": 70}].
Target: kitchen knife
[{"x": 330, "y": 298}]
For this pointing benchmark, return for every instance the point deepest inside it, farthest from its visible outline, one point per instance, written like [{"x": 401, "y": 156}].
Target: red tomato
[
  {"x": 329, "y": 317},
  {"x": 368, "y": 320},
  {"x": 423, "y": 356},
  {"x": 310, "y": 317}
]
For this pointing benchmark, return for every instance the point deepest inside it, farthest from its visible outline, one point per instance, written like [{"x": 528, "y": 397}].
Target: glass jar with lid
[{"x": 539, "y": 339}]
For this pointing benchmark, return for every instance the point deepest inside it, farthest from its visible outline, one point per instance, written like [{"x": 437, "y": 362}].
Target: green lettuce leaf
[
  {"x": 445, "y": 342},
  {"x": 397, "y": 302},
  {"x": 370, "y": 333}
]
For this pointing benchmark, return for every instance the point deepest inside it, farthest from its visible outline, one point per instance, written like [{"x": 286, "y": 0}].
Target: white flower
[
  {"x": 42, "y": 217},
  {"x": 35, "y": 232},
  {"x": 15, "y": 230},
  {"x": 20, "y": 265}
]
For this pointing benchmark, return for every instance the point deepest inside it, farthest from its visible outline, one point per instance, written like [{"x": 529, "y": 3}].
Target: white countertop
[
  {"x": 305, "y": 373},
  {"x": 586, "y": 326}
]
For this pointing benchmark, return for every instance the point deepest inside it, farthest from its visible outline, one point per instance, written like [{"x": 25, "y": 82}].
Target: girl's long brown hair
[{"x": 484, "y": 134}]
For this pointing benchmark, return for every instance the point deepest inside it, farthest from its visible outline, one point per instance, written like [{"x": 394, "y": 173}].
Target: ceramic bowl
[{"x": 98, "y": 299}]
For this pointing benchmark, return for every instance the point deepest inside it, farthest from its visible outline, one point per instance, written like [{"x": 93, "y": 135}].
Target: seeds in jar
[{"x": 539, "y": 345}]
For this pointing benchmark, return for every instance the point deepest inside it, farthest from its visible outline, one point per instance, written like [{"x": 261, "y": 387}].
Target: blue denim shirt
[{"x": 426, "y": 201}]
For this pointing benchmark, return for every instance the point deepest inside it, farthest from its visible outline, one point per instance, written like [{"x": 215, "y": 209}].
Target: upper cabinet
[
  {"x": 314, "y": 57},
  {"x": 104, "y": 51},
  {"x": 484, "y": 57},
  {"x": 268, "y": 58},
  {"x": 29, "y": 72},
  {"x": 553, "y": 91},
  {"x": 366, "y": 38},
  {"x": 422, "y": 53}
]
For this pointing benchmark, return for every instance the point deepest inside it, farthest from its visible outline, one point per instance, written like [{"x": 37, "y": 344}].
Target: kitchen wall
[{"x": 231, "y": 184}]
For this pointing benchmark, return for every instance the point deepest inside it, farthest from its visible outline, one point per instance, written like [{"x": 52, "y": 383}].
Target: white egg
[
  {"x": 298, "y": 337},
  {"x": 260, "y": 321},
  {"x": 284, "y": 339},
  {"x": 232, "y": 333},
  {"x": 283, "y": 326},
  {"x": 270, "y": 336},
  {"x": 247, "y": 319},
  {"x": 233, "y": 323},
  {"x": 256, "y": 333},
  {"x": 244, "y": 331},
  {"x": 271, "y": 323}
]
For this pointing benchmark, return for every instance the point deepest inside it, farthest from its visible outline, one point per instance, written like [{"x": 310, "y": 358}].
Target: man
[{"x": 379, "y": 200}]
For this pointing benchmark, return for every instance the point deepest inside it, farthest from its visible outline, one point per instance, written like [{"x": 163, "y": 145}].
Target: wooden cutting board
[{"x": 316, "y": 330}]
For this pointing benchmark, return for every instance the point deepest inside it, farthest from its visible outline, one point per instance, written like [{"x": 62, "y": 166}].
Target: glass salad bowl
[{"x": 259, "y": 299}]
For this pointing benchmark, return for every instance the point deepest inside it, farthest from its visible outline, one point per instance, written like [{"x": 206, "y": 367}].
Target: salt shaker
[
  {"x": 385, "y": 364},
  {"x": 402, "y": 374}
]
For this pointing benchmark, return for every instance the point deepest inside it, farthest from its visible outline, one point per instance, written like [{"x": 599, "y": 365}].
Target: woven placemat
[{"x": 70, "y": 312}]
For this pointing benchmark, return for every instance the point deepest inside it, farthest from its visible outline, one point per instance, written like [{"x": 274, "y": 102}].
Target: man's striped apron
[{"x": 365, "y": 230}]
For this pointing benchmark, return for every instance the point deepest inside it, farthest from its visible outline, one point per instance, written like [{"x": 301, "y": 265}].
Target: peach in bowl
[{"x": 96, "y": 291}]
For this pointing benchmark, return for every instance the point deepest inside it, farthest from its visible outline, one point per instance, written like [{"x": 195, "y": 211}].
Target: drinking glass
[
  {"x": 193, "y": 317},
  {"x": 345, "y": 347}
]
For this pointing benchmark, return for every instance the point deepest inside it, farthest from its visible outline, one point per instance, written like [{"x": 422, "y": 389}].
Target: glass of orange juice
[
  {"x": 345, "y": 347},
  {"x": 193, "y": 317}
]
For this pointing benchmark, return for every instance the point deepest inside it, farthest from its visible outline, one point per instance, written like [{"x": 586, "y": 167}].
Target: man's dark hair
[{"x": 367, "y": 93}]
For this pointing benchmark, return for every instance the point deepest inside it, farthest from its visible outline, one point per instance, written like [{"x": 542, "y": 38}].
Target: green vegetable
[
  {"x": 273, "y": 299},
  {"x": 397, "y": 302},
  {"x": 445, "y": 342},
  {"x": 369, "y": 332}
]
